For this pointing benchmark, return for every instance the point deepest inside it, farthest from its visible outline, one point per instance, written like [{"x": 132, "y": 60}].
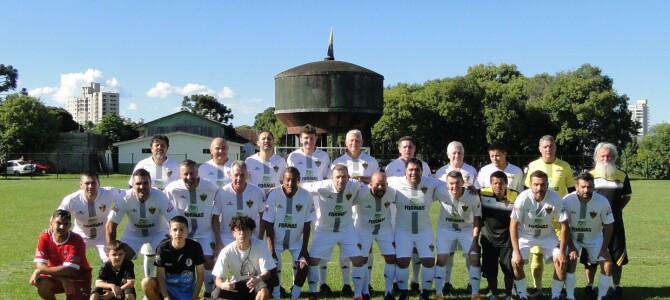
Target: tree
[
  {"x": 65, "y": 121},
  {"x": 653, "y": 154},
  {"x": 267, "y": 120},
  {"x": 115, "y": 129},
  {"x": 8, "y": 78},
  {"x": 26, "y": 126},
  {"x": 208, "y": 107}
]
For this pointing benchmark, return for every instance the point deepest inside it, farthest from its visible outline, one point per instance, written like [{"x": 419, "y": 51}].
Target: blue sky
[{"x": 155, "y": 52}]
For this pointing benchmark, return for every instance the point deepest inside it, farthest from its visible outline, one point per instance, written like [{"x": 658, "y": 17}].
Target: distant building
[
  {"x": 93, "y": 104},
  {"x": 640, "y": 112}
]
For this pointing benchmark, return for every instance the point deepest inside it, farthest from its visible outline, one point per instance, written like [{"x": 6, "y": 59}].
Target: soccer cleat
[
  {"x": 324, "y": 288},
  {"x": 476, "y": 297},
  {"x": 590, "y": 292},
  {"x": 447, "y": 288},
  {"x": 618, "y": 291},
  {"x": 556, "y": 298},
  {"x": 312, "y": 296},
  {"x": 439, "y": 297},
  {"x": 389, "y": 297},
  {"x": 283, "y": 293},
  {"x": 414, "y": 286},
  {"x": 486, "y": 293},
  {"x": 359, "y": 298},
  {"x": 370, "y": 288},
  {"x": 403, "y": 295},
  {"x": 493, "y": 297},
  {"x": 534, "y": 293},
  {"x": 425, "y": 295},
  {"x": 468, "y": 289},
  {"x": 347, "y": 291},
  {"x": 366, "y": 296},
  {"x": 396, "y": 288}
]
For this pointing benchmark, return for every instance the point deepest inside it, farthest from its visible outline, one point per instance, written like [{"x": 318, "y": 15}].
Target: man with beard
[
  {"x": 266, "y": 167},
  {"x": 161, "y": 168},
  {"x": 240, "y": 198},
  {"x": 200, "y": 202},
  {"x": 613, "y": 183},
  {"x": 217, "y": 169}
]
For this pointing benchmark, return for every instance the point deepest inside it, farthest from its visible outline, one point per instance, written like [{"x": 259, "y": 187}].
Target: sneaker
[
  {"x": 403, "y": 295},
  {"x": 414, "y": 286},
  {"x": 590, "y": 292},
  {"x": 347, "y": 291},
  {"x": 425, "y": 295},
  {"x": 476, "y": 297},
  {"x": 324, "y": 288},
  {"x": 389, "y": 297},
  {"x": 534, "y": 293},
  {"x": 359, "y": 298},
  {"x": 312, "y": 296},
  {"x": 493, "y": 297},
  {"x": 283, "y": 293},
  {"x": 447, "y": 288},
  {"x": 439, "y": 297},
  {"x": 486, "y": 293},
  {"x": 366, "y": 296}
]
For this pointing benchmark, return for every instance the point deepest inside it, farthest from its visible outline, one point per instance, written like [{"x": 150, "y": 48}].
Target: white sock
[
  {"x": 209, "y": 281},
  {"x": 416, "y": 267},
  {"x": 323, "y": 271},
  {"x": 427, "y": 276},
  {"x": 295, "y": 292},
  {"x": 521, "y": 288},
  {"x": 366, "y": 280},
  {"x": 570, "y": 283},
  {"x": 556, "y": 287},
  {"x": 276, "y": 295},
  {"x": 313, "y": 278},
  {"x": 389, "y": 277},
  {"x": 149, "y": 268},
  {"x": 603, "y": 285},
  {"x": 475, "y": 279},
  {"x": 401, "y": 277},
  {"x": 447, "y": 268},
  {"x": 439, "y": 278},
  {"x": 345, "y": 266},
  {"x": 358, "y": 277}
]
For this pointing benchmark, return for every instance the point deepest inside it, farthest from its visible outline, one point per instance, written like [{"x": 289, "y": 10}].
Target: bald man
[{"x": 217, "y": 169}]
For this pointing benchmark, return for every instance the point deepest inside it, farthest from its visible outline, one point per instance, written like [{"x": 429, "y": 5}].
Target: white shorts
[
  {"x": 207, "y": 243},
  {"x": 100, "y": 244},
  {"x": 548, "y": 244},
  {"x": 384, "y": 242},
  {"x": 449, "y": 240},
  {"x": 323, "y": 243},
  {"x": 422, "y": 241},
  {"x": 136, "y": 242},
  {"x": 592, "y": 247}
]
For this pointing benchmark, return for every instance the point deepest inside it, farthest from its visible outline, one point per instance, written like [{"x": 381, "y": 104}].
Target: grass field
[{"x": 28, "y": 203}]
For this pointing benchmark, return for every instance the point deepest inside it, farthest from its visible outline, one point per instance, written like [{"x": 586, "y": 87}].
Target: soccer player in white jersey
[
  {"x": 589, "y": 217},
  {"x": 531, "y": 225},
  {"x": 335, "y": 226},
  {"x": 162, "y": 169},
  {"x": 414, "y": 196},
  {"x": 217, "y": 169},
  {"x": 458, "y": 224},
  {"x": 407, "y": 150},
  {"x": 149, "y": 212},
  {"x": 289, "y": 211},
  {"x": 498, "y": 156},
  {"x": 373, "y": 223},
  {"x": 199, "y": 200},
  {"x": 265, "y": 167},
  {"x": 90, "y": 206},
  {"x": 239, "y": 198}
]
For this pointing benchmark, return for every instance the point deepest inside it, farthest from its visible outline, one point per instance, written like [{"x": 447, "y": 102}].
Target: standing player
[
  {"x": 265, "y": 167},
  {"x": 589, "y": 218},
  {"x": 217, "y": 169},
  {"x": 90, "y": 207},
  {"x": 60, "y": 261},
  {"x": 289, "y": 211},
  {"x": 458, "y": 224},
  {"x": 373, "y": 223},
  {"x": 148, "y": 212},
  {"x": 497, "y": 203},
  {"x": 334, "y": 226},
  {"x": 414, "y": 196},
  {"x": 532, "y": 224},
  {"x": 162, "y": 169},
  {"x": 200, "y": 201},
  {"x": 240, "y": 198},
  {"x": 498, "y": 156},
  {"x": 561, "y": 181}
]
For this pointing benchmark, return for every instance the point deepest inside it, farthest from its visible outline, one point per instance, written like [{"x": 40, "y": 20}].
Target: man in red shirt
[{"x": 61, "y": 264}]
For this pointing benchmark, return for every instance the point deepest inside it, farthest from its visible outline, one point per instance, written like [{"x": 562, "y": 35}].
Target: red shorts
[{"x": 82, "y": 287}]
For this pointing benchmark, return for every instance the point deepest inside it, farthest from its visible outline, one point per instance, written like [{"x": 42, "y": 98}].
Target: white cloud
[
  {"x": 71, "y": 84},
  {"x": 132, "y": 106},
  {"x": 161, "y": 90},
  {"x": 43, "y": 92},
  {"x": 164, "y": 89},
  {"x": 195, "y": 89},
  {"x": 226, "y": 93}
]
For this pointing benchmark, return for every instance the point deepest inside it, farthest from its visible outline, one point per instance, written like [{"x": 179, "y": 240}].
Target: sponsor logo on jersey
[
  {"x": 194, "y": 215},
  {"x": 593, "y": 214},
  {"x": 266, "y": 185},
  {"x": 250, "y": 203},
  {"x": 286, "y": 225},
  {"x": 102, "y": 207},
  {"x": 152, "y": 210},
  {"x": 298, "y": 207},
  {"x": 548, "y": 209}
]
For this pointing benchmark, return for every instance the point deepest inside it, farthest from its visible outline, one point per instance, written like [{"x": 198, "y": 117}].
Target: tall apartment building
[
  {"x": 93, "y": 104},
  {"x": 640, "y": 112}
]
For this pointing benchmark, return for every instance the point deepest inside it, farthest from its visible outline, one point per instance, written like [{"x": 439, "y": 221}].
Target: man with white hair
[
  {"x": 217, "y": 169},
  {"x": 613, "y": 183},
  {"x": 240, "y": 198}
]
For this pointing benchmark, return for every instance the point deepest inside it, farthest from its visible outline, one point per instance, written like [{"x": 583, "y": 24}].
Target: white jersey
[
  {"x": 313, "y": 167},
  {"x": 536, "y": 218},
  {"x": 364, "y": 165},
  {"x": 469, "y": 174},
  {"x": 373, "y": 214},
  {"x": 514, "y": 176},
  {"x": 248, "y": 203},
  {"x": 457, "y": 213},
  {"x": 334, "y": 209},
  {"x": 197, "y": 205},
  {"x": 397, "y": 168},
  {"x": 266, "y": 174},
  {"x": 289, "y": 216},
  {"x": 145, "y": 219},
  {"x": 161, "y": 175},
  {"x": 240, "y": 264},
  {"x": 413, "y": 204},
  {"x": 586, "y": 219},
  {"x": 219, "y": 174},
  {"x": 90, "y": 217}
]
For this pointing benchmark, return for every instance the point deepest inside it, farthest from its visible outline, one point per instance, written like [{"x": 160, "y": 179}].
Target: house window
[
  {"x": 205, "y": 151},
  {"x": 146, "y": 150}
]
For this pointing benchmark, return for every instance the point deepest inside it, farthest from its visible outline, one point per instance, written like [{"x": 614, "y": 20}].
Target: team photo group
[{"x": 218, "y": 229}]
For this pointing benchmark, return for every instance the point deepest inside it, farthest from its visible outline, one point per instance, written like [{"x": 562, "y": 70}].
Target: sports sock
[
  {"x": 323, "y": 271},
  {"x": 416, "y": 267},
  {"x": 427, "y": 276},
  {"x": 570, "y": 283},
  {"x": 603, "y": 285},
  {"x": 209, "y": 281},
  {"x": 448, "y": 268},
  {"x": 295, "y": 292},
  {"x": 521, "y": 288},
  {"x": 345, "y": 266},
  {"x": 389, "y": 277},
  {"x": 313, "y": 278},
  {"x": 475, "y": 279},
  {"x": 357, "y": 276},
  {"x": 439, "y": 278},
  {"x": 401, "y": 277},
  {"x": 149, "y": 268},
  {"x": 556, "y": 287}
]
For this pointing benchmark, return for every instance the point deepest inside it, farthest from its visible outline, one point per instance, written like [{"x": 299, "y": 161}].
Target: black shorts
[
  {"x": 492, "y": 256},
  {"x": 242, "y": 294},
  {"x": 101, "y": 291},
  {"x": 617, "y": 248}
]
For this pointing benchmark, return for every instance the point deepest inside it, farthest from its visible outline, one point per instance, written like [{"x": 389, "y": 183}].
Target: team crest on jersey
[
  {"x": 386, "y": 204},
  {"x": 102, "y": 207},
  {"x": 203, "y": 196},
  {"x": 168, "y": 172},
  {"x": 298, "y": 207},
  {"x": 365, "y": 165},
  {"x": 349, "y": 196},
  {"x": 250, "y": 203},
  {"x": 593, "y": 214},
  {"x": 276, "y": 168},
  {"x": 424, "y": 189},
  {"x": 152, "y": 210},
  {"x": 318, "y": 163},
  {"x": 548, "y": 209},
  {"x": 464, "y": 207}
]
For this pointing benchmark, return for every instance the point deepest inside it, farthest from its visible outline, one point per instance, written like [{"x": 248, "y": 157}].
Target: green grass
[{"x": 28, "y": 203}]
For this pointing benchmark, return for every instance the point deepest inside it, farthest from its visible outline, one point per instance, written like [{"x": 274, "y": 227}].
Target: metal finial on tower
[{"x": 330, "y": 55}]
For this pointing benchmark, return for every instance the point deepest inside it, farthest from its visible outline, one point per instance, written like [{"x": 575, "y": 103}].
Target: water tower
[{"x": 334, "y": 96}]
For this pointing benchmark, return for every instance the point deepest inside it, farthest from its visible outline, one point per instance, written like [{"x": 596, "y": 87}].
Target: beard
[{"x": 606, "y": 169}]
